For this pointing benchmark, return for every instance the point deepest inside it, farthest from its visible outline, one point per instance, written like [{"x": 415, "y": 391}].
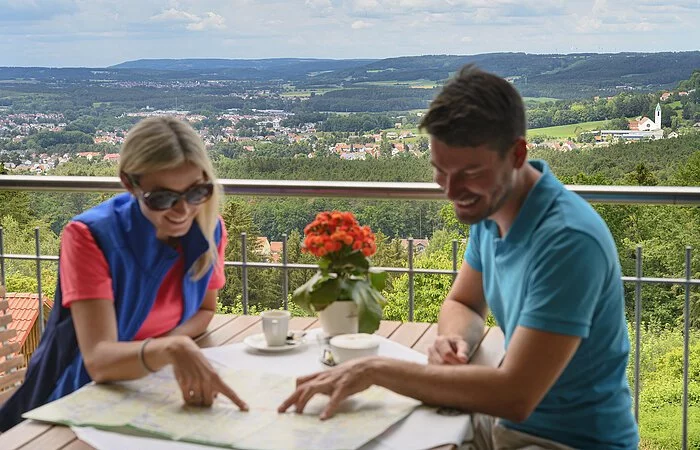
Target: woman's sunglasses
[{"x": 162, "y": 199}]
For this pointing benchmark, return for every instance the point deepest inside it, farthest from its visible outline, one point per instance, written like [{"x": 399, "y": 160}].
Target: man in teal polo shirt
[{"x": 544, "y": 262}]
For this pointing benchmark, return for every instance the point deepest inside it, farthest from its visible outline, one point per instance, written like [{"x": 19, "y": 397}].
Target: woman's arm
[
  {"x": 197, "y": 324},
  {"x": 107, "y": 359}
]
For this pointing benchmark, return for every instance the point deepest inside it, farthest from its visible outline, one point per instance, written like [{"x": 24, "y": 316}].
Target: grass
[
  {"x": 660, "y": 412},
  {"x": 401, "y": 130},
  {"x": 660, "y": 427},
  {"x": 415, "y": 84},
  {"x": 539, "y": 99},
  {"x": 566, "y": 131},
  {"x": 304, "y": 93}
]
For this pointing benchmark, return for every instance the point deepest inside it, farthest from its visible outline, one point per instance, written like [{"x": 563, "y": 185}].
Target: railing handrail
[{"x": 651, "y": 195}]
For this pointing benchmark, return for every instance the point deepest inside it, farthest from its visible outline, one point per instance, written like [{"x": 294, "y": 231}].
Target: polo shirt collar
[{"x": 534, "y": 208}]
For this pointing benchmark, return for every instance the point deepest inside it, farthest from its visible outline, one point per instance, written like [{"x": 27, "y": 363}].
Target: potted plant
[{"x": 345, "y": 291}]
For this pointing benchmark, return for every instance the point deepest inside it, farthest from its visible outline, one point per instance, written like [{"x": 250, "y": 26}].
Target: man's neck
[{"x": 524, "y": 182}]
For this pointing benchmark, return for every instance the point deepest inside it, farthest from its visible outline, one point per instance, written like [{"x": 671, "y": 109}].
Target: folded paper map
[{"x": 153, "y": 406}]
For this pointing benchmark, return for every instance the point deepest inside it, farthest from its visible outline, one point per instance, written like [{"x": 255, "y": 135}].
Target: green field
[
  {"x": 306, "y": 92},
  {"x": 566, "y": 131},
  {"x": 416, "y": 84},
  {"x": 539, "y": 99}
]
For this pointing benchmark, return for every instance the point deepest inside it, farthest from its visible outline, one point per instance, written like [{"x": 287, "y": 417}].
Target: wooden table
[{"x": 227, "y": 329}]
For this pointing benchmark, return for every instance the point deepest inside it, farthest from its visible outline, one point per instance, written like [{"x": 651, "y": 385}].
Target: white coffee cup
[
  {"x": 275, "y": 325},
  {"x": 350, "y": 346}
]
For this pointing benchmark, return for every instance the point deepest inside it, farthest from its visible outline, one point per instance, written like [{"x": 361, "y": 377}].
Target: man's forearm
[
  {"x": 458, "y": 319},
  {"x": 480, "y": 389}
]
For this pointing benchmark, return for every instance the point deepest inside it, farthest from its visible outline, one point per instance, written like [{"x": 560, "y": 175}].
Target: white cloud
[
  {"x": 588, "y": 24},
  {"x": 318, "y": 4},
  {"x": 360, "y": 24},
  {"x": 363, "y": 5},
  {"x": 174, "y": 15},
  {"x": 208, "y": 21},
  {"x": 105, "y": 32},
  {"x": 211, "y": 21}
]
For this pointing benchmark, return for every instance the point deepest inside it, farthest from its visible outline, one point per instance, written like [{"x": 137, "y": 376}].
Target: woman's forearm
[
  {"x": 115, "y": 361},
  {"x": 195, "y": 326}
]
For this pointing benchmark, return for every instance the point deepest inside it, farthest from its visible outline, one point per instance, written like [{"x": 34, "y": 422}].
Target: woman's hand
[{"x": 198, "y": 380}]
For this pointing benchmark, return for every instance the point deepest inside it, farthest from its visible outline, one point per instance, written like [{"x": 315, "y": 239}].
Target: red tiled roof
[
  {"x": 24, "y": 312},
  {"x": 276, "y": 246}
]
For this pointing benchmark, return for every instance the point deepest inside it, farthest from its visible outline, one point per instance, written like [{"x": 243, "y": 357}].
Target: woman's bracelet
[{"x": 142, "y": 360}]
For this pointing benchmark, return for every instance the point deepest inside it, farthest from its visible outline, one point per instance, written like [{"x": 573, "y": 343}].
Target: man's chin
[{"x": 468, "y": 219}]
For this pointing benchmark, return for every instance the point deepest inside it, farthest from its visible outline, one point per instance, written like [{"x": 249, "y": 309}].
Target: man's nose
[{"x": 452, "y": 187}]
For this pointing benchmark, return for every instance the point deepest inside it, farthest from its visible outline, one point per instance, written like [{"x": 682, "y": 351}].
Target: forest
[{"x": 662, "y": 231}]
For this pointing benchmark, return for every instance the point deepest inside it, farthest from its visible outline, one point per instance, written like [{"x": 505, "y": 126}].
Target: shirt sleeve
[
  {"x": 83, "y": 267},
  {"x": 473, "y": 255},
  {"x": 565, "y": 285},
  {"x": 218, "y": 278}
]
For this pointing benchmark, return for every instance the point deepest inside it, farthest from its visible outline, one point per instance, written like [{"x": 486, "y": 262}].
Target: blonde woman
[{"x": 138, "y": 277}]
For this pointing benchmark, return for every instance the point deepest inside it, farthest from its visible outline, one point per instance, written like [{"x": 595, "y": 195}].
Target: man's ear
[
  {"x": 519, "y": 153},
  {"x": 126, "y": 181}
]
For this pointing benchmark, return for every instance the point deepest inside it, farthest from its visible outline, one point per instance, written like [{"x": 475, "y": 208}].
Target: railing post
[
  {"x": 285, "y": 272},
  {"x": 686, "y": 343},
  {"x": 2, "y": 258},
  {"x": 38, "y": 280},
  {"x": 244, "y": 271},
  {"x": 454, "y": 259},
  {"x": 410, "y": 279},
  {"x": 637, "y": 328}
]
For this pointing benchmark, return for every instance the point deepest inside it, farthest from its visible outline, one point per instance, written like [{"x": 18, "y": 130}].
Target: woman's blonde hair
[{"x": 162, "y": 143}]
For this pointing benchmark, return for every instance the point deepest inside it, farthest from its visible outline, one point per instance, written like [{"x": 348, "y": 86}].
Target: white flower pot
[{"x": 340, "y": 317}]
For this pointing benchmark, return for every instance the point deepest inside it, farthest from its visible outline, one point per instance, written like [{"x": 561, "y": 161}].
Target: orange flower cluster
[{"x": 334, "y": 231}]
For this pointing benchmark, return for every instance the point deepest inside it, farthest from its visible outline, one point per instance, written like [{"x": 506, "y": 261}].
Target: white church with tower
[
  {"x": 645, "y": 123},
  {"x": 643, "y": 128}
]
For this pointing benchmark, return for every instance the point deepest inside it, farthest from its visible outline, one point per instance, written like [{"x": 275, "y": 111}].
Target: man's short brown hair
[{"x": 476, "y": 108}]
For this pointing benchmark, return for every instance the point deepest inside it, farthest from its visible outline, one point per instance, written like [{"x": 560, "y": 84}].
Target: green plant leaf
[
  {"x": 301, "y": 295},
  {"x": 324, "y": 263},
  {"x": 324, "y": 291},
  {"x": 378, "y": 278},
  {"x": 369, "y": 306},
  {"x": 355, "y": 262}
]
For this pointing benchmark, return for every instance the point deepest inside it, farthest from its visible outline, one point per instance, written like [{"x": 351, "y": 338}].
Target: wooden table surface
[{"x": 227, "y": 329}]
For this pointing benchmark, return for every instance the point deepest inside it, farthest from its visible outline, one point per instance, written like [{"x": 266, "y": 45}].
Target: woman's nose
[{"x": 181, "y": 207}]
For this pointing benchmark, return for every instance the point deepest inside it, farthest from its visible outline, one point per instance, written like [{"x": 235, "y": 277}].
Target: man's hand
[
  {"x": 338, "y": 383},
  {"x": 450, "y": 349}
]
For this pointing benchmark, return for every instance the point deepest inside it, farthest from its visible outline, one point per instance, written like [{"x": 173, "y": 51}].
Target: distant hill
[
  {"x": 535, "y": 75},
  {"x": 273, "y": 64}
]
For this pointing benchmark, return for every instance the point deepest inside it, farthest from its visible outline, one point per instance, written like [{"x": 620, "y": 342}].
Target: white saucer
[{"x": 257, "y": 342}]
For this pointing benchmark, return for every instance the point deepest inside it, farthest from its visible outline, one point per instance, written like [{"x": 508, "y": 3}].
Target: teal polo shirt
[{"x": 557, "y": 270}]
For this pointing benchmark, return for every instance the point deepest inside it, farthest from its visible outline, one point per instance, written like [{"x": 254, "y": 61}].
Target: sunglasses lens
[
  {"x": 161, "y": 200},
  {"x": 199, "y": 194}
]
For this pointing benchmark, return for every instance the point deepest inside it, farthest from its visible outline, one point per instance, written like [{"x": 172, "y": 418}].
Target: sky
[{"x": 100, "y": 33}]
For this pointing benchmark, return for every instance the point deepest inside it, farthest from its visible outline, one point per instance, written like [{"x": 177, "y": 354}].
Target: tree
[
  {"x": 261, "y": 290},
  {"x": 18, "y": 239},
  {"x": 429, "y": 290}
]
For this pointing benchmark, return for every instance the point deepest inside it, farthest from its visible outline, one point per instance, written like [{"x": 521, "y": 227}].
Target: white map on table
[{"x": 153, "y": 406}]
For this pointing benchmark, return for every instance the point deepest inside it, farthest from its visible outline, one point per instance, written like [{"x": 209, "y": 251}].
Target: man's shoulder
[
  {"x": 570, "y": 213},
  {"x": 573, "y": 220}
]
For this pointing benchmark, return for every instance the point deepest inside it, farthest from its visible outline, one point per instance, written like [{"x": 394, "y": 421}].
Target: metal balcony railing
[{"x": 655, "y": 195}]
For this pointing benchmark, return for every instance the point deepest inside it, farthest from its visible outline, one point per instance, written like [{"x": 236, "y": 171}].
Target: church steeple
[{"x": 657, "y": 116}]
